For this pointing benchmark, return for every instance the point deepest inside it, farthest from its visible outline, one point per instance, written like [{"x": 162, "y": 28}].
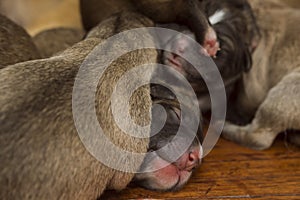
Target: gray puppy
[{"x": 271, "y": 90}]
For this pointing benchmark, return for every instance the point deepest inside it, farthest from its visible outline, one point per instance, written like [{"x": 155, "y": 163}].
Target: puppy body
[
  {"x": 185, "y": 12},
  {"x": 41, "y": 154},
  {"x": 16, "y": 45},
  {"x": 271, "y": 90},
  {"x": 52, "y": 41}
]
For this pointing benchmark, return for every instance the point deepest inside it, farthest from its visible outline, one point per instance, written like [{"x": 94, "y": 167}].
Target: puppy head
[{"x": 171, "y": 175}]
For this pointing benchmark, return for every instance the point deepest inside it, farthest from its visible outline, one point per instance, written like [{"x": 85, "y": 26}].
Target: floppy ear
[
  {"x": 255, "y": 37},
  {"x": 239, "y": 36},
  {"x": 252, "y": 27},
  {"x": 235, "y": 56},
  {"x": 247, "y": 61}
]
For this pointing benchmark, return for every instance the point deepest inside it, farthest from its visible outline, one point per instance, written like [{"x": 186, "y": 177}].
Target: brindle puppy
[{"x": 238, "y": 36}]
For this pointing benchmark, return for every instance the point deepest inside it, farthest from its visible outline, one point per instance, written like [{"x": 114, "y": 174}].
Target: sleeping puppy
[
  {"x": 258, "y": 93},
  {"x": 270, "y": 91},
  {"x": 43, "y": 157},
  {"x": 176, "y": 174},
  {"x": 237, "y": 34}
]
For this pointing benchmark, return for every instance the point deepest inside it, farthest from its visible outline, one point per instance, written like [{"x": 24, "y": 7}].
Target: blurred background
[{"x": 38, "y": 15}]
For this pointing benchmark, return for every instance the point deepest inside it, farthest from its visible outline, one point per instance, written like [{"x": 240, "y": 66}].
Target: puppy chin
[{"x": 167, "y": 178}]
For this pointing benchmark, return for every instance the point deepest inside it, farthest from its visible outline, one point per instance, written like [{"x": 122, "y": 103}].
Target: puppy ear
[{"x": 248, "y": 60}]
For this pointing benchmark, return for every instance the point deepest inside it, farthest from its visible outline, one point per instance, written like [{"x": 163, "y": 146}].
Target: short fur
[
  {"x": 52, "y": 41},
  {"x": 238, "y": 35},
  {"x": 187, "y": 12},
  {"x": 15, "y": 44},
  {"x": 41, "y": 154}
]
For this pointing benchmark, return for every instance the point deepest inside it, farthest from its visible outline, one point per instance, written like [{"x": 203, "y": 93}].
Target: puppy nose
[{"x": 193, "y": 160}]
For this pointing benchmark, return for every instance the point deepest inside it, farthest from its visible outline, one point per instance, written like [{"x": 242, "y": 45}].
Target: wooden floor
[{"x": 234, "y": 172}]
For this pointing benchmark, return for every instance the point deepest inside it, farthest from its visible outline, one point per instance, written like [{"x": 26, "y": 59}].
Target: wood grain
[{"x": 234, "y": 172}]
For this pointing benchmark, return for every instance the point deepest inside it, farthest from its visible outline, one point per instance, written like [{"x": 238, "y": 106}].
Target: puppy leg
[
  {"x": 279, "y": 112},
  {"x": 252, "y": 136}
]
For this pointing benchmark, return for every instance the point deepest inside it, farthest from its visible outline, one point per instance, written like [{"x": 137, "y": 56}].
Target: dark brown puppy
[
  {"x": 238, "y": 35},
  {"x": 15, "y": 44},
  {"x": 185, "y": 12},
  {"x": 52, "y": 41}
]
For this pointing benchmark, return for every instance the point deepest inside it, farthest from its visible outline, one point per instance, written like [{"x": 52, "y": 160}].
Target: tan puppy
[
  {"x": 16, "y": 45},
  {"x": 271, "y": 90},
  {"x": 52, "y": 41},
  {"x": 41, "y": 154}
]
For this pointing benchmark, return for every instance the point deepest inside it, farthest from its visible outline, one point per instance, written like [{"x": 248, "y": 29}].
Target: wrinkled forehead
[{"x": 169, "y": 115}]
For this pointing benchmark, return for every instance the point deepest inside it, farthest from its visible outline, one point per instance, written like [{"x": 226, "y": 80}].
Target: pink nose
[
  {"x": 193, "y": 160},
  {"x": 189, "y": 160}
]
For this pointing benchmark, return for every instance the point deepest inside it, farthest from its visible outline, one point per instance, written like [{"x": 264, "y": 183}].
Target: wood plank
[{"x": 234, "y": 172}]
